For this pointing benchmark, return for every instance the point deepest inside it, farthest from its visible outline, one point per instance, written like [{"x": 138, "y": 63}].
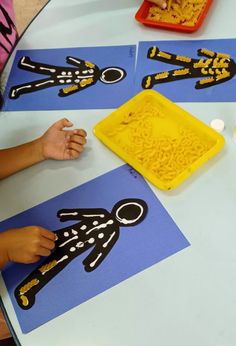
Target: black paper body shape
[
  {"x": 84, "y": 75},
  {"x": 216, "y": 67},
  {"x": 98, "y": 229}
]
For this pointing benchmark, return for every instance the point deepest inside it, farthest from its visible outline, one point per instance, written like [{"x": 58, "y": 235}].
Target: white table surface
[{"x": 190, "y": 297}]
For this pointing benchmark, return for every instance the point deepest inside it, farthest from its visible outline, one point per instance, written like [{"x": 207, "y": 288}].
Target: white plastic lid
[{"x": 218, "y": 125}]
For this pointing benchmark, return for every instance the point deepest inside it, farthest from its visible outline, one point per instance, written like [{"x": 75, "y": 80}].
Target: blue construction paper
[
  {"x": 96, "y": 96},
  {"x": 184, "y": 90},
  {"x": 137, "y": 248}
]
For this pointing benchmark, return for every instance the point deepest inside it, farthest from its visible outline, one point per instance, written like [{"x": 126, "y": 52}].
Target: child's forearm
[
  {"x": 3, "y": 253},
  {"x": 3, "y": 261},
  {"x": 17, "y": 158}
]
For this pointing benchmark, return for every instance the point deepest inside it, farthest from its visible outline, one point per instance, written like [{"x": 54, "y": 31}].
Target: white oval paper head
[{"x": 130, "y": 212}]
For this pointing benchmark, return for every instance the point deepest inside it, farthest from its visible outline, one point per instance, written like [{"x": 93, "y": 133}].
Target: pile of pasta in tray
[
  {"x": 142, "y": 134},
  {"x": 186, "y": 13}
]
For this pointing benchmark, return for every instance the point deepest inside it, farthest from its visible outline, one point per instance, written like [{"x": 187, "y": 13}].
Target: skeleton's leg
[
  {"x": 25, "y": 293},
  {"x": 155, "y": 54},
  {"x": 169, "y": 76},
  {"x": 27, "y": 64},
  {"x": 26, "y": 88},
  {"x": 211, "y": 81}
]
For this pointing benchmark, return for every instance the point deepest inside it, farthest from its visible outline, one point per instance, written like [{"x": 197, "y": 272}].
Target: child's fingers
[
  {"x": 77, "y": 139},
  {"x": 72, "y": 154},
  {"x": 43, "y": 252},
  {"x": 32, "y": 259},
  {"x": 75, "y": 146},
  {"x": 47, "y": 234},
  {"x": 80, "y": 132},
  {"x": 47, "y": 244},
  {"x": 60, "y": 124},
  {"x": 161, "y": 3}
]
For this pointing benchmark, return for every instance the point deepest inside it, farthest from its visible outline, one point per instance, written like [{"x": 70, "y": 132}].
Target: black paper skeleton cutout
[
  {"x": 82, "y": 76},
  {"x": 216, "y": 68},
  {"x": 98, "y": 229}
]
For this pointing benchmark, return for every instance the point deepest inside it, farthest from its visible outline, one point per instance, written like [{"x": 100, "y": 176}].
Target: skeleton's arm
[
  {"x": 79, "y": 63},
  {"x": 100, "y": 252},
  {"x": 210, "y": 54},
  {"x": 81, "y": 214},
  {"x": 72, "y": 89},
  {"x": 75, "y": 61},
  {"x": 167, "y": 76}
]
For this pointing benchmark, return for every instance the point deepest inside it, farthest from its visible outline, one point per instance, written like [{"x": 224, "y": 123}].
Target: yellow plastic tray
[{"x": 159, "y": 139}]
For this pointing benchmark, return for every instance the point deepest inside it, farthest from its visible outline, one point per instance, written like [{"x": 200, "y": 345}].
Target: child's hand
[
  {"x": 60, "y": 144},
  {"x": 26, "y": 244},
  {"x": 56, "y": 143},
  {"x": 163, "y": 3}
]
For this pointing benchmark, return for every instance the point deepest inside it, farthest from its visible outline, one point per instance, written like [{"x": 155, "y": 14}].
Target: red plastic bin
[{"x": 141, "y": 16}]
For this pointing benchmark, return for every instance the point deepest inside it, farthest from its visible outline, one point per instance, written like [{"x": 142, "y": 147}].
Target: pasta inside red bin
[{"x": 186, "y": 13}]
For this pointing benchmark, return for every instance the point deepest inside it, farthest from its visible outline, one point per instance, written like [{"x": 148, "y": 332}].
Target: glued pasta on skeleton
[
  {"x": 97, "y": 231},
  {"x": 214, "y": 67},
  {"x": 83, "y": 75}
]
